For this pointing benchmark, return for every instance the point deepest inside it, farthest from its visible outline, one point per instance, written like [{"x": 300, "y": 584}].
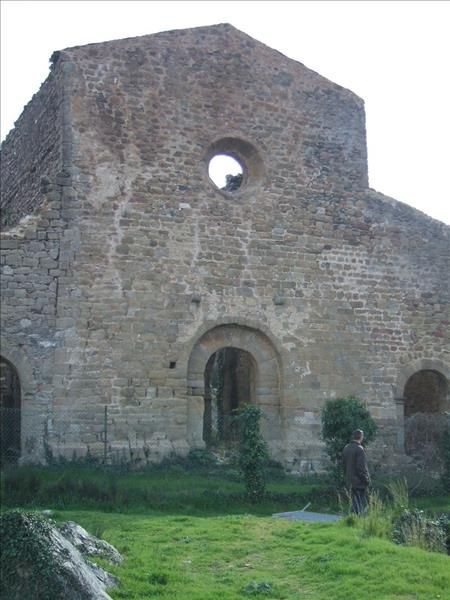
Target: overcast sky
[{"x": 395, "y": 55}]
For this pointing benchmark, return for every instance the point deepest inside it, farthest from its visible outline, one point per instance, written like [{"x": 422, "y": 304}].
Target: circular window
[
  {"x": 234, "y": 165},
  {"x": 225, "y": 172}
]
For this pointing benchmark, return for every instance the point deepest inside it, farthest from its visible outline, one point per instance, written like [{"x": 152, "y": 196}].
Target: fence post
[{"x": 105, "y": 435}]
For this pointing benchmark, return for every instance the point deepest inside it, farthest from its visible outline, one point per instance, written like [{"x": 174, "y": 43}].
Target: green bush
[
  {"x": 445, "y": 446},
  {"x": 415, "y": 528},
  {"x": 339, "y": 419},
  {"x": 26, "y": 562},
  {"x": 253, "y": 453},
  {"x": 444, "y": 522}
]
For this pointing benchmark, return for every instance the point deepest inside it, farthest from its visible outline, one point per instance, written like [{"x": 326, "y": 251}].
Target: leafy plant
[
  {"x": 444, "y": 522},
  {"x": 26, "y": 561},
  {"x": 445, "y": 447},
  {"x": 255, "y": 588},
  {"x": 252, "y": 452},
  {"x": 340, "y": 418},
  {"x": 415, "y": 528}
]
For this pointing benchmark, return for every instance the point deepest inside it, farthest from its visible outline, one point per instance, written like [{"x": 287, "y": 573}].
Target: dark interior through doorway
[
  {"x": 10, "y": 416},
  {"x": 426, "y": 401},
  {"x": 230, "y": 376}
]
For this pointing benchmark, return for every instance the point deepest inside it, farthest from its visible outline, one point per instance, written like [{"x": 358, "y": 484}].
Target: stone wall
[
  {"x": 36, "y": 247},
  {"x": 32, "y": 153},
  {"x": 332, "y": 288}
]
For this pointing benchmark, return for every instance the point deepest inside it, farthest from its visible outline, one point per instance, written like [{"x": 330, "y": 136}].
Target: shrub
[
  {"x": 445, "y": 447},
  {"x": 252, "y": 452},
  {"x": 26, "y": 561},
  {"x": 444, "y": 522},
  {"x": 415, "y": 528},
  {"x": 339, "y": 419}
]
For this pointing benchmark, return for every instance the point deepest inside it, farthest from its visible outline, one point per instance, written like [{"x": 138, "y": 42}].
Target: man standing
[{"x": 356, "y": 471}]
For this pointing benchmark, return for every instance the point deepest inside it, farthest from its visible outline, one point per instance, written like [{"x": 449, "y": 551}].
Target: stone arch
[
  {"x": 16, "y": 357},
  {"x": 25, "y": 426},
  {"x": 426, "y": 391},
  {"x": 420, "y": 364},
  {"x": 10, "y": 412},
  {"x": 423, "y": 397},
  {"x": 267, "y": 388}
]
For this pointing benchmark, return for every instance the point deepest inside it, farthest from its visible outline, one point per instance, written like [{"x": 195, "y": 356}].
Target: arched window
[{"x": 10, "y": 412}]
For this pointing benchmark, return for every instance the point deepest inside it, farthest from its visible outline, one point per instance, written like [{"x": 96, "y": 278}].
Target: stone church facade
[{"x": 129, "y": 279}]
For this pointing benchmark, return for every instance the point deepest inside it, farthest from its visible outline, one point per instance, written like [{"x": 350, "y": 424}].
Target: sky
[{"x": 393, "y": 54}]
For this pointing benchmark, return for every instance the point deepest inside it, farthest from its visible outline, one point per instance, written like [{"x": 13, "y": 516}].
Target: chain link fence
[
  {"x": 10, "y": 441},
  {"x": 103, "y": 434}
]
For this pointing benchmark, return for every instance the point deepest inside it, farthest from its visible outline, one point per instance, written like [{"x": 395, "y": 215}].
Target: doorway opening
[
  {"x": 230, "y": 383},
  {"x": 10, "y": 413},
  {"x": 426, "y": 397},
  {"x": 231, "y": 365}
]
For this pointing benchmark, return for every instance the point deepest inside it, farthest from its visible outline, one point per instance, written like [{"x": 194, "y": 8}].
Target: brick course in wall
[{"x": 134, "y": 268}]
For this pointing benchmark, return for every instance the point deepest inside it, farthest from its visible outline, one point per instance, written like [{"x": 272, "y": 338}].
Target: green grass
[
  {"x": 188, "y": 557},
  {"x": 434, "y": 504},
  {"x": 173, "y": 489},
  {"x": 191, "y": 535}
]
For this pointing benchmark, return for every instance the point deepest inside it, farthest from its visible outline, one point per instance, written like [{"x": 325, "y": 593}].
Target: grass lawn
[
  {"x": 228, "y": 557},
  {"x": 191, "y": 535},
  {"x": 173, "y": 489},
  {"x": 435, "y": 504}
]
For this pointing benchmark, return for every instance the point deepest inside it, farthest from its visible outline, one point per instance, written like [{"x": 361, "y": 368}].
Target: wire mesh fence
[
  {"x": 101, "y": 434},
  {"x": 10, "y": 440},
  {"x": 105, "y": 434}
]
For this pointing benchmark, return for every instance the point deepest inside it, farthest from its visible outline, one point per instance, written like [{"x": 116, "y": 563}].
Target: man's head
[{"x": 358, "y": 435}]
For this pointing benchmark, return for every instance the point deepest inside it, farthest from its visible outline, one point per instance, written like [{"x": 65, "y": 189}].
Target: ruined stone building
[{"x": 131, "y": 281}]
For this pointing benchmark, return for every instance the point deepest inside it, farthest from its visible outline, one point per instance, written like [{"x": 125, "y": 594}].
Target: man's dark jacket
[{"x": 355, "y": 466}]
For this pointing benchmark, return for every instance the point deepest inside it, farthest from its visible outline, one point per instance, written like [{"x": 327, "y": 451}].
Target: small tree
[
  {"x": 252, "y": 452},
  {"x": 445, "y": 446},
  {"x": 339, "y": 419}
]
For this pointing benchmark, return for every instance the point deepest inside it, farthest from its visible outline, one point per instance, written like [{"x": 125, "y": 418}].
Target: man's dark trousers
[{"x": 359, "y": 500}]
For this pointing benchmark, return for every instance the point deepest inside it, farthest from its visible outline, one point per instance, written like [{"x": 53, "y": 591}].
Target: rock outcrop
[
  {"x": 38, "y": 560},
  {"x": 88, "y": 544}
]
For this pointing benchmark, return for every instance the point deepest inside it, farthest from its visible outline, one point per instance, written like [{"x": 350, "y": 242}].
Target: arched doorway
[
  {"x": 230, "y": 365},
  {"x": 230, "y": 379},
  {"x": 426, "y": 399},
  {"x": 10, "y": 412}
]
